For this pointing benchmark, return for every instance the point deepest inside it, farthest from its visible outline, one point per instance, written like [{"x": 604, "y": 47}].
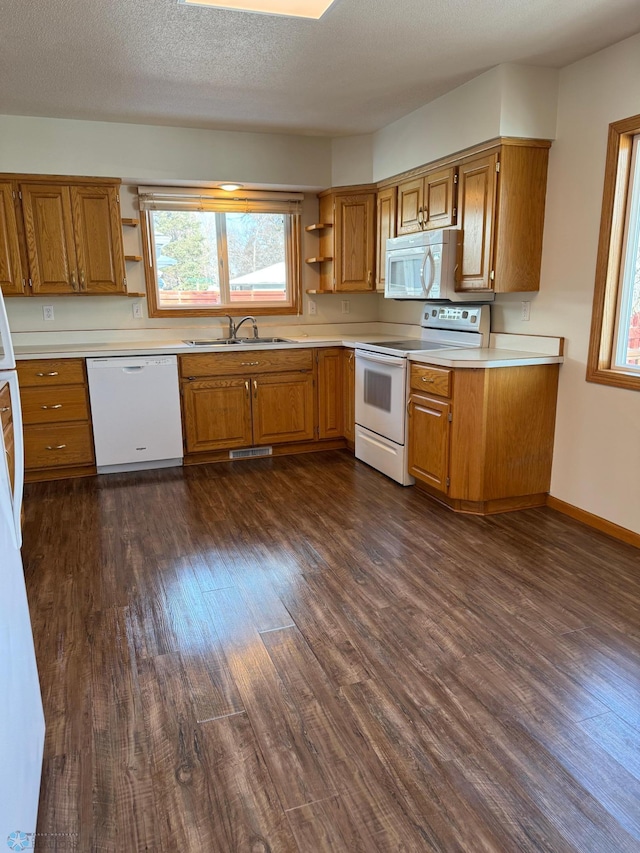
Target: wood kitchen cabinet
[
  {"x": 12, "y": 275},
  {"x": 245, "y": 399},
  {"x": 6, "y": 423},
  {"x": 385, "y": 229},
  {"x": 481, "y": 440},
  {"x": 330, "y": 392},
  {"x": 349, "y": 394},
  {"x": 427, "y": 202},
  {"x": 347, "y": 241},
  {"x": 501, "y": 201},
  {"x": 60, "y": 236},
  {"x": 58, "y": 437}
]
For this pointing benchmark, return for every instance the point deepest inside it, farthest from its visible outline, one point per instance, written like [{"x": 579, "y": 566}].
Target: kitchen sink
[{"x": 221, "y": 342}]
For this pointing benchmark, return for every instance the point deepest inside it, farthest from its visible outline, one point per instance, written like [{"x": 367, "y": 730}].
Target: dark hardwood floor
[{"x": 299, "y": 655}]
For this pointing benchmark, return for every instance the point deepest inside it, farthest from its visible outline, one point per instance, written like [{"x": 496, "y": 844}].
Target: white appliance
[
  {"x": 135, "y": 408},
  {"x": 423, "y": 266},
  {"x": 21, "y": 716},
  {"x": 382, "y": 387}
]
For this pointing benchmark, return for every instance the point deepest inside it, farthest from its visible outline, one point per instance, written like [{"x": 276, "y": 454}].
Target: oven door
[{"x": 381, "y": 394}]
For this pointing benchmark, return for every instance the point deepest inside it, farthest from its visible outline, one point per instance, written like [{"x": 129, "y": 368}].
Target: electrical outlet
[
  {"x": 136, "y": 310},
  {"x": 47, "y": 313},
  {"x": 345, "y": 306},
  {"x": 526, "y": 312},
  {"x": 313, "y": 307}
]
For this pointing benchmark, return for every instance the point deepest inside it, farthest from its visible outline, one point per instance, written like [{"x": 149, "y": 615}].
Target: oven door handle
[{"x": 393, "y": 360}]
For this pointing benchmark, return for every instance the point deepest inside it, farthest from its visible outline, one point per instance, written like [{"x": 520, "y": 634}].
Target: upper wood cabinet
[
  {"x": 477, "y": 199},
  {"x": 427, "y": 202},
  {"x": 385, "y": 229},
  {"x": 71, "y": 232},
  {"x": 347, "y": 246},
  {"x": 12, "y": 277},
  {"x": 501, "y": 201},
  {"x": 98, "y": 239}
]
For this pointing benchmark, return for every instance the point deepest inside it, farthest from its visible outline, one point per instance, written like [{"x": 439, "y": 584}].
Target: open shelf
[
  {"x": 136, "y": 295},
  {"x": 318, "y": 226},
  {"x": 133, "y": 223},
  {"x": 316, "y": 260},
  {"x": 133, "y": 257}
]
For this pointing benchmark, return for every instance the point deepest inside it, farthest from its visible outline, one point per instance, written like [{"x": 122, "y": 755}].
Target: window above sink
[{"x": 207, "y": 255}]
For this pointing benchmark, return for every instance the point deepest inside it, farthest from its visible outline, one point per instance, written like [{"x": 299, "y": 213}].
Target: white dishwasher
[{"x": 135, "y": 408}]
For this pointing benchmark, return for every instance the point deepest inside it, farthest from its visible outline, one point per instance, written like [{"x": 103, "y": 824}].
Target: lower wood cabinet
[
  {"x": 349, "y": 394},
  {"x": 482, "y": 440},
  {"x": 6, "y": 424},
  {"x": 274, "y": 397},
  {"x": 58, "y": 437}
]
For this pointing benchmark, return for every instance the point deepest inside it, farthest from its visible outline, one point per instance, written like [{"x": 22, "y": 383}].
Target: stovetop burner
[{"x": 413, "y": 344}]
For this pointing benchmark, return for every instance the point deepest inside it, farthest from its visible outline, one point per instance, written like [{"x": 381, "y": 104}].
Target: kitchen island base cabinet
[{"x": 495, "y": 452}]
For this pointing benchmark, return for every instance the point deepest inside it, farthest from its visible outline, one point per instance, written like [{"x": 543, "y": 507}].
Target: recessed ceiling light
[
  {"x": 230, "y": 188},
  {"x": 294, "y": 8}
]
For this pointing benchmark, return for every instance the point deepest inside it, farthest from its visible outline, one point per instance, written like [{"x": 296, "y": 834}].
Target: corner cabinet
[
  {"x": 501, "y": 202},
  {"x": 481, "y": 440},
  {"x": 347, "y": 244},
  {"x": 385, "y": 230},
  {"x": 62, "y": 236}
]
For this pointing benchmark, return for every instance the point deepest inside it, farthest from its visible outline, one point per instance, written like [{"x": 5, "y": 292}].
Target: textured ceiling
[{"x": 363, "y": 65}]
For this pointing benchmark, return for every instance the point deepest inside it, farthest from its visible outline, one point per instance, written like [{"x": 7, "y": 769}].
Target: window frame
[
  {"x": 601, "y": 366},
  {"x": 293, "y": 250}
]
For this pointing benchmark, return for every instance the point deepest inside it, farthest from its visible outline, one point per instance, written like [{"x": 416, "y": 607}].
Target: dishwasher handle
[{"x": 135, "y": 369}]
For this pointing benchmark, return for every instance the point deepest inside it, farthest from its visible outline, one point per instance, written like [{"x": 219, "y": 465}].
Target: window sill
[{"x": 615, "y": 377}]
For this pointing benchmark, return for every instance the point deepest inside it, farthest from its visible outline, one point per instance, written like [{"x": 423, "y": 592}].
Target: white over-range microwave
[{"x": 423, "y": 266}]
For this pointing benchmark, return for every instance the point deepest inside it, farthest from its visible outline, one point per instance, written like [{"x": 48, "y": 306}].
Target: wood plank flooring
[{"x": 299, "y": 655}]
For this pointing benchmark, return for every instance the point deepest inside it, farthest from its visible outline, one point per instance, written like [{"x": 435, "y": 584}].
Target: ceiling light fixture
[
  {"x": 292, "y": 8},
  {"x": 230, "y": 188}
]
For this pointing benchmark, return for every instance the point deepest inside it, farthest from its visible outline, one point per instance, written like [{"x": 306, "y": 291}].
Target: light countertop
[{"x": 469, "y": 358}]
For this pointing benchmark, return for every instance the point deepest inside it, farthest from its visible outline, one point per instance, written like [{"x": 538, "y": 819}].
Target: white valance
[{"x": 242, "y": 201}]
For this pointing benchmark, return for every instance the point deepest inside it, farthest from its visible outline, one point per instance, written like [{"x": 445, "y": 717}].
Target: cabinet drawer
[
  {"x": 5, "y": 406},
  {"x": 51, "y": 372},
  {"x": 245, "y": 363},
  {"x": 53, "y": 405},
  {"x": 431, "y": 380},
  {"x": 52, "y": 446}
]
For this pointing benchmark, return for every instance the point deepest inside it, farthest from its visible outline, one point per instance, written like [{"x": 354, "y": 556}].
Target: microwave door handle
[
  {"x": 432, "y": 272},
  {"x": 422, "y": 269}
]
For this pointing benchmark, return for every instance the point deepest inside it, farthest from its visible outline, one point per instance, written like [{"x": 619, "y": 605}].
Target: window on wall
[
  {"x": 209, "y": 254},
  {"x": 614, "y": 355}
]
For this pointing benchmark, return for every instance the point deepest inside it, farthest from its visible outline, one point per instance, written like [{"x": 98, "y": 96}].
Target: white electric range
[{"x": 382, "y": 387}]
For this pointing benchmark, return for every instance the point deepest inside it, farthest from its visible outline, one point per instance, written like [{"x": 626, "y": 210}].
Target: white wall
[
  {"x": 509, "y": 100},
  {"x": 597, "y": 449},
  {"x": 352, "y": 160}
]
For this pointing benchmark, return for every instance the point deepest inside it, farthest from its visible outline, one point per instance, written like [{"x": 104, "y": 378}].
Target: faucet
[
  {"x": 232, "y": 327},
  {"x": 244, "y": 320}
]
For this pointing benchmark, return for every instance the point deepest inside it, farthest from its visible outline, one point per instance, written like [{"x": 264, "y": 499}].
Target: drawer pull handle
[
  {"x": 5, "y": 409},
  {"x": 426, "y": 379},
  {"x": 249, "y": 363},
  {"x": 56, "y": 447},
  {"x": 56, "y": 406},
  {"x": 53, "y": 373}
]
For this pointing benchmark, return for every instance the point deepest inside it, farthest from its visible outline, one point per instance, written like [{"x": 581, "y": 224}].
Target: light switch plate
[{"x": 136, "y": 310}]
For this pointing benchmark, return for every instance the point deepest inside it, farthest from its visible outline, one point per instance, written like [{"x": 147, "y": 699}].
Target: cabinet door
[
  {"x": 98, "y": 239},
  {"x": 283, "y": 408},
  {"x": 49, "y": 234},
  {"x": 11, "y": 275},
  {"x": 354, "y": 241},
  {"x": 217, "y": 414},
  {"x": 385, "y": 229},
  {"x": 429, "y": 430},
  {"x": 410, "y": 206},
  {"x": 349, "y": 394},
  {"x": 330, "y": 392},
  {"x": 439, "y": 199},
  {"x": 476, "y": 207}
]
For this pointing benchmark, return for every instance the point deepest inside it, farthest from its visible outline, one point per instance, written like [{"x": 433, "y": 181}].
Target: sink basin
[
  {"x": 216, "y": 342},
  {"x": 265, "y": 341},
  {"x": 222, "y": 342}
]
